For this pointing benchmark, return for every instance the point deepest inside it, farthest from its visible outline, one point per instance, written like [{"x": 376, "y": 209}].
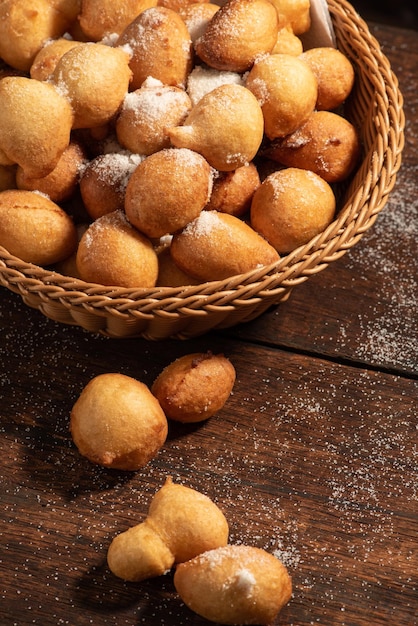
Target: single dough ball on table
[
  {"x": 233, "y": 191},
  {"x": 34, "y": 228},
  {"x": 60, "y": 184},
  {"x": 95, "y": 79},
  {"x": 99, "y": 18},
  {"x": 181, "y": 524},
  {"x": 295, "y": 14},
  {"x": 327, "y": 144},
  {"x": 234, "y": 585},
  {"x": 226, "y": 127},
  {"x": 45, "y": 62},
  {"x": 216, "y": 245},
  {"x": 35, "y": 124},
  {"x": 104, "y": 180},
  {"x": 286, "y": 89},
  {"x": 239, "y": 33},
  {"x": 334, "y": 73},
  {"x": 167, "y": 191},
  {"x": 112, "y": 252},
  {"x": 194, "y": 387},
  {"x": 116, "y": 422},
  {"x": 197, "y": 16},
  {"x": 160, "y": 47},
  {"x": 291, "y": 206},
  {"x": 142, "y": 123},
  {"x": 25, "y": 25}
]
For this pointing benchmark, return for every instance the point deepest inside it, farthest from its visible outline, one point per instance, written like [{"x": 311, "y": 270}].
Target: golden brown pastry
[
  {"x": 99, "y": 18},
  {"x": 295, "y": 14},
  {"x": 327, "y": 144},
  {"x": 104, "y": 180},
  {"x": 291, "y": 206},
  {"x": 45, "y": 61},
  {"x": 34, "y": 228},
  {"x": 232, "y": 192},
  {"x": 167, "y": 190},
  {"x": 112, "y": 252},
  {"x": 169, "y": 274},
  {"x": 160, "y": 46},
  {"x": 239, "y": 33},
  {"x": 116, "y": 422},
  {"x": 287, "y": 42},
  {"x": 225, "y": 126},
  {"x": 141, "y": 125},
  {"x": 286, "y": 89},
  {"x": 60, "y": 184},
  {"x": 25, "y": 25},
  {"x": 181, "y": 523},
  {"x": 95, "y": 79},
  {"x": 35, "y": 125},
  {"x": 195, "y": 386},
  {"x": 234, "y": 585},
  {"x": 217, "y": 245},
  {"x": 197, "y": 16},
  {"x": 334, "y": 73}
]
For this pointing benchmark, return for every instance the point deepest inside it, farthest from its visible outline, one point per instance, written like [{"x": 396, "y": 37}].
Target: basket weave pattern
[{"x": 374, "y": 107}]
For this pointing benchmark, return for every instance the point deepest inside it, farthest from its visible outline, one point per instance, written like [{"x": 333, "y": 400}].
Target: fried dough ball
[
  {"x": 168, "y": 190},
  {"x": 34, "y": 228},
  {"x": 169, "y": 274},
  {"x": 95, "y": 78},
  {"x": 294, "y": 13},
  {"x": 233, "y": 191},
  {"x": 35, "y": 124},
  {"x": 287, "y": 42},
  {"x": 197, "y": 16},
  {"x": 225, "y": 126},
  {"x": 216, "y": 245},
  {"x": 112, "y": 252},
  {"x": 234, "y": 584},
  {"x": 177, "y": 5},
  {"x": 60, "y": 184},
  {"x": 141, "y": 126},
  {"x": 116, "y": 422},
  {"x": 334, "y": 73},
  {"x": 328, "y": 144},
  {"x": 195, "y": 386},
  {"x": 203, "y": 79},
  {"x": 104, "y": 180},
  {"x": 7, "y": 177},
  {"x": 45, "y": 61},
  {"x": 181, "y": 523},
  {"x": 99, "y": 18},
  {"x": 286, "y": 89},
  {"x": 160, "y": 45},
  {"x": 239, "y": 33},
  {"x": 291, "y": 206},
  {"x": 25, "y": 25}
]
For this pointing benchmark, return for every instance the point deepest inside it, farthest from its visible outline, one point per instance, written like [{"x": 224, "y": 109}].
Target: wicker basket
[{"x": 375, "y": 108}]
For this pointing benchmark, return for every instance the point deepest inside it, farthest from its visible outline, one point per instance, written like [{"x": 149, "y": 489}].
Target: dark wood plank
[{"x": 312, "y": 460}]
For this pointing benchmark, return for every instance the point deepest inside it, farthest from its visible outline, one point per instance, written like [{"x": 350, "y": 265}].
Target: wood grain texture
[{"x": 313, "y": 458}]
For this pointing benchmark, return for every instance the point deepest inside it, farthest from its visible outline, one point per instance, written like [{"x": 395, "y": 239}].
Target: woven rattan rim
[{"x": 364, "y": 199}]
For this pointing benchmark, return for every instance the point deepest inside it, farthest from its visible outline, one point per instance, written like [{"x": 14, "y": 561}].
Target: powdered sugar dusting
[{"x": 203, "y": 80}]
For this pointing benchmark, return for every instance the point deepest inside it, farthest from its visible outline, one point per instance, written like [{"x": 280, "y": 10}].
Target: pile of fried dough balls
[{"x": 154, "y": 143}]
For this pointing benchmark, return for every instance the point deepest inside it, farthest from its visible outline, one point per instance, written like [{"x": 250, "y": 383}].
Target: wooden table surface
[{"x": 314, "y": 457}]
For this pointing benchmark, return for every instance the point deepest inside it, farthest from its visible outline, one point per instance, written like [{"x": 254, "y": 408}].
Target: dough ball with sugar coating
[
  {"x": 99, "y": 18},
  {"x": 113, "y": 252},
  {"x": 233, "y": 191},
  {"x": 35, "y": 124},
  {"x": 44, "y": 63},
  {"x": 160, "y": 47},
  {"x": 167, "y": 191},
  {"x": 217, "y": 245},
  {"x": 334, "y": 73},
  {"x": 95, "y": 79},
  {"x": 291, "y": 206},
  {"x": 116, "y": 422},
  {"x": 141, "y": 126},
  {"x": 234, "y": 584}
]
